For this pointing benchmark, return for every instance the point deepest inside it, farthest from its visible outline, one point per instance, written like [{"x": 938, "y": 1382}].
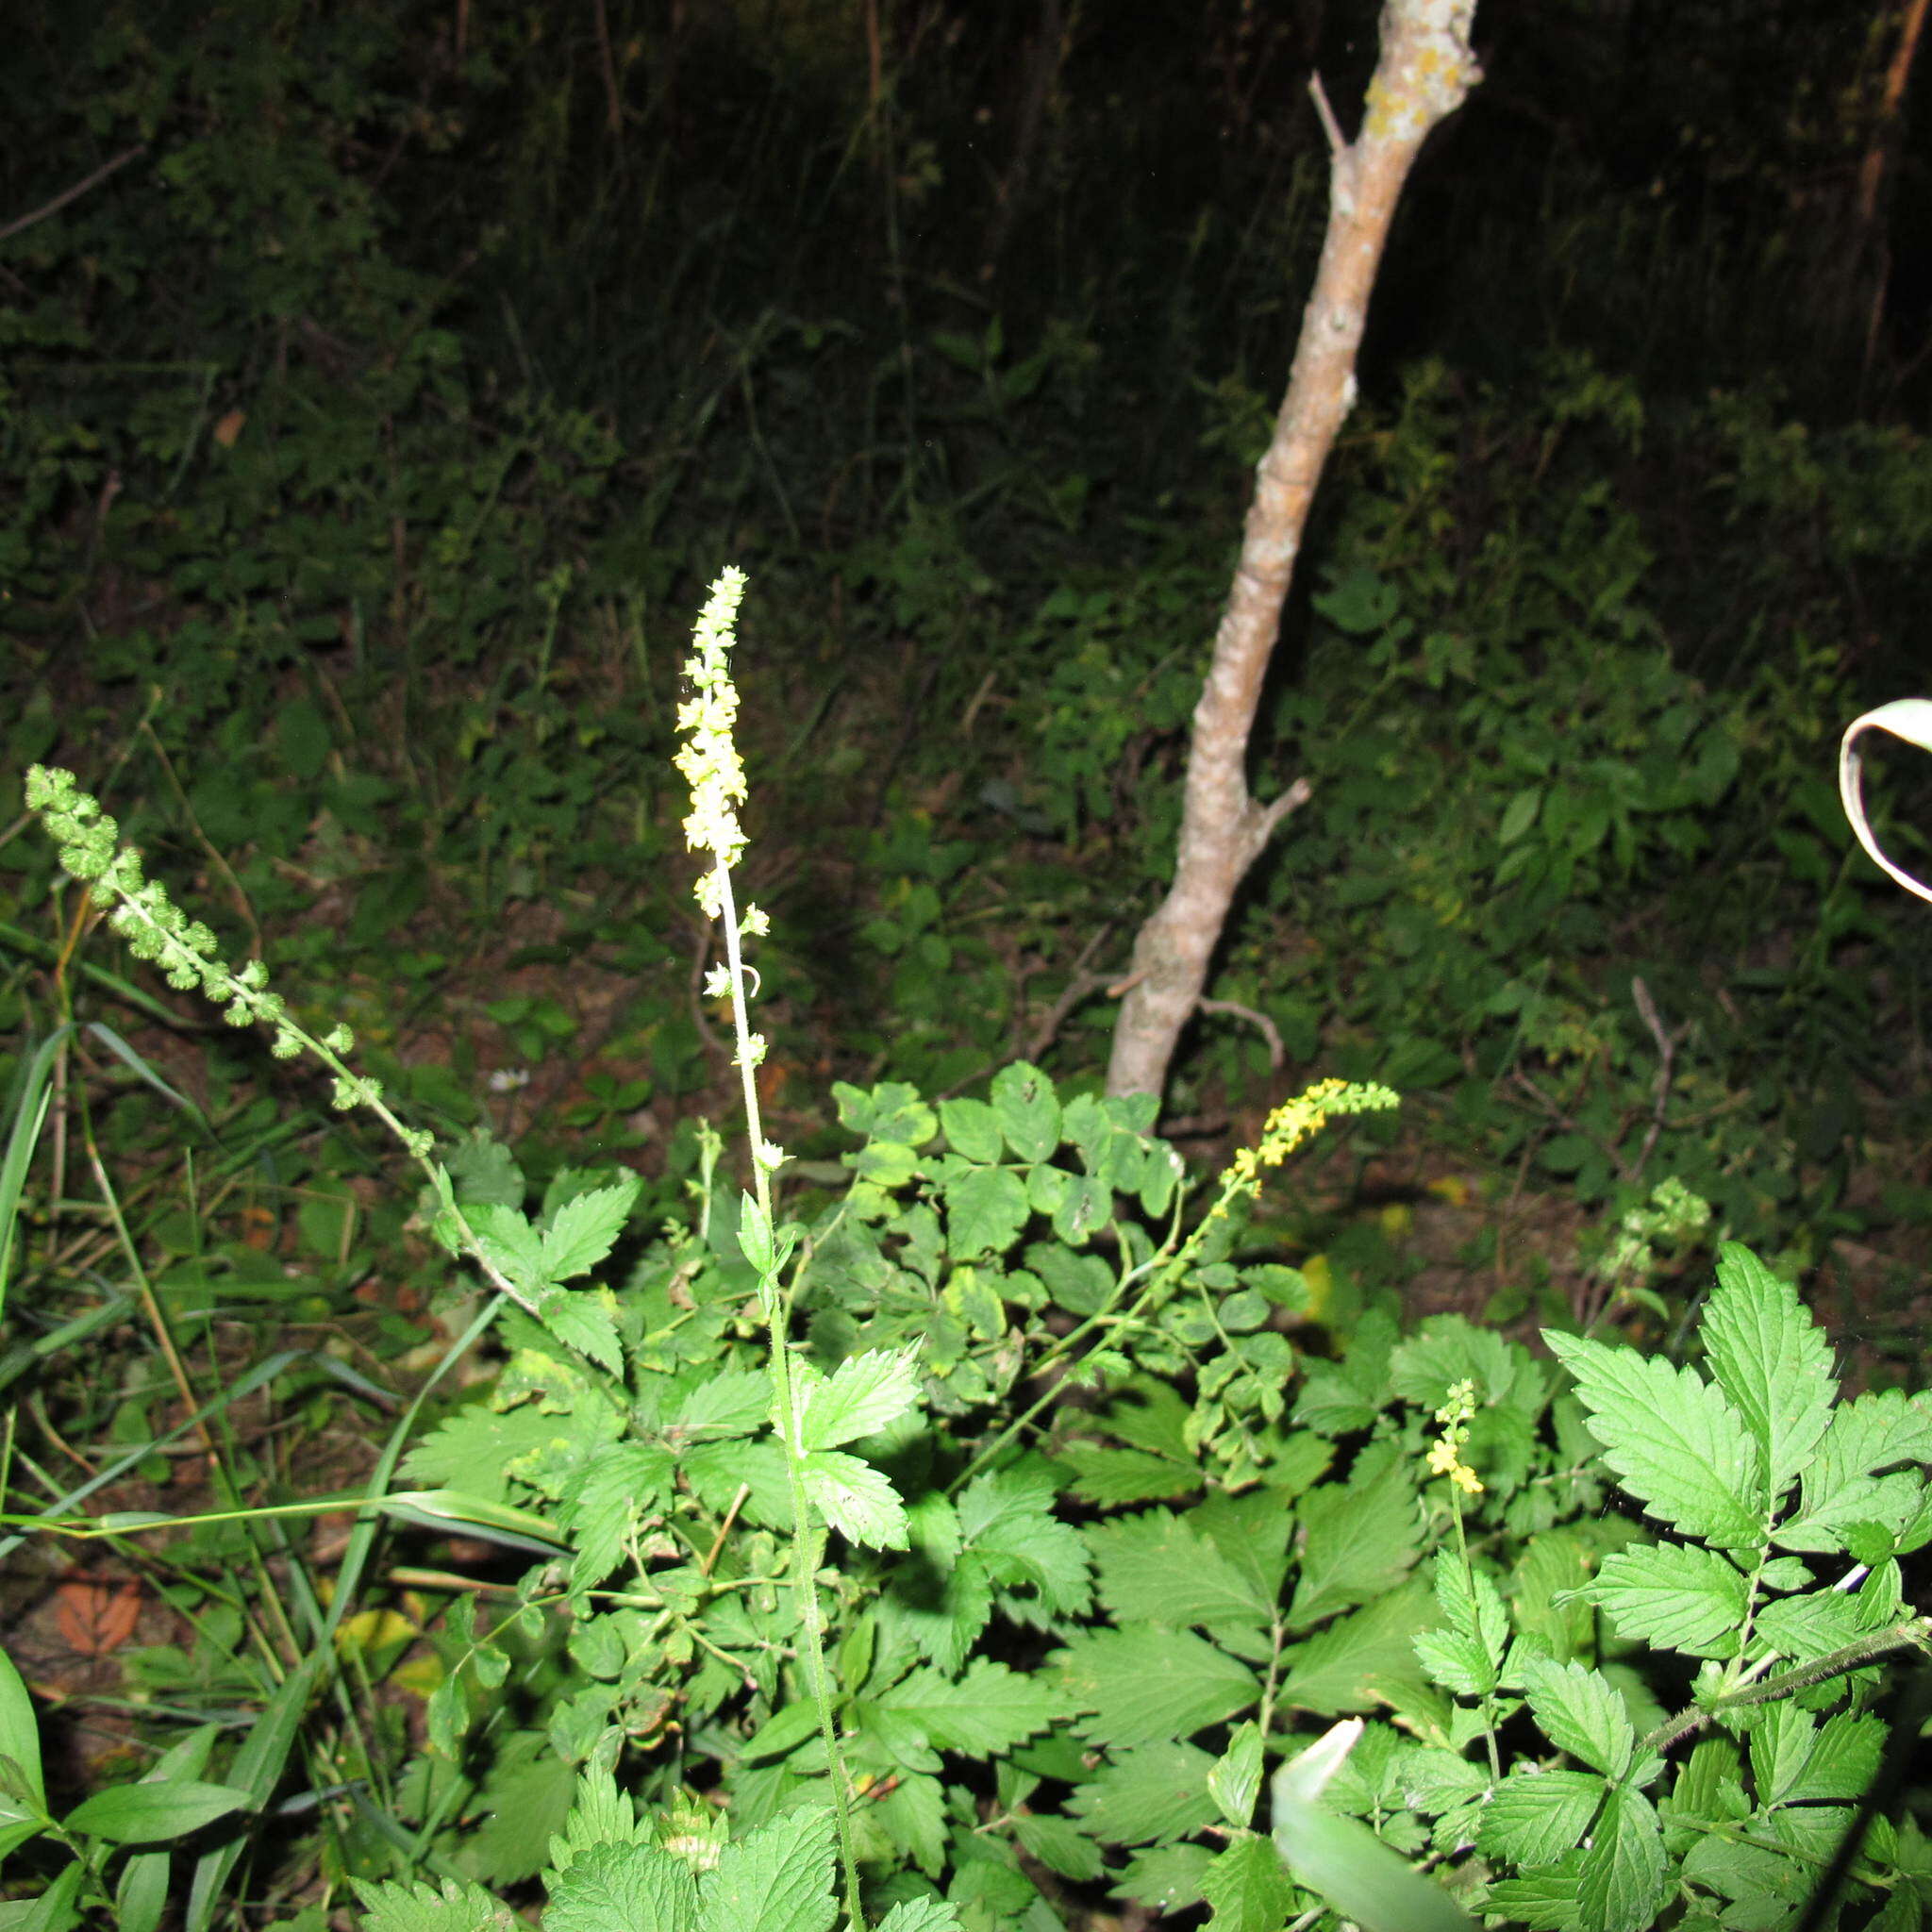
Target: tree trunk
[{"x": 1423, "y": 73}]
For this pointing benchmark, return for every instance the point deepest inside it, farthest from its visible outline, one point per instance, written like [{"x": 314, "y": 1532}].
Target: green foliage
[
  {"x": 367, "y": 413},
  {"x": 1773, "y": 1572}
]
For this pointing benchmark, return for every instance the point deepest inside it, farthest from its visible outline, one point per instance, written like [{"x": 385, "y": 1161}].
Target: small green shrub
[{"x": 977, "y": 1533}]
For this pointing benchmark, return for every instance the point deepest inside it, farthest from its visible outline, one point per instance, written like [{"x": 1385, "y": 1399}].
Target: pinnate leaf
[
  {"x": 1235, "y": 1782},
  {"x": 921, "y": 1915},
  {"x": 1027, "y": 1109},
  {"x": 1359, "y": 1658},
  {"x": 1007, "y": 1520},
  {"x": 986, "y": 1211},
  {"x": 731, "y": 1402},
  {"x": 605, "y": 1501},
  {"x": 1678, "y": 1445},
  {"x": 1619, "y": 1884},
  {"x": 583, "y": 1319},
  {"x": 1148, "y": 1795},
  {"x": 972, "y": 1129},
  {"x": 1248, "y": 1886}
]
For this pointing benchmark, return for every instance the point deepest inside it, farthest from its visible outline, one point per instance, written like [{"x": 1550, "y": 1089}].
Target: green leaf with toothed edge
[
  {"x": 1677, "y": 1443},
  {"x": 1771, "y": 1361}
]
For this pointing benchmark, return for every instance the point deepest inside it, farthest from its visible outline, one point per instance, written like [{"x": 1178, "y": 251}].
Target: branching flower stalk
[
  {"x": 1293, "y": 1122},
  {"x": 190, "y": 957},
  {"x": 708, "y": 759}
]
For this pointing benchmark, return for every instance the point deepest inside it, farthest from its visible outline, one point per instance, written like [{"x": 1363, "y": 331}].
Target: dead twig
[{"x": 74, "y": 194}]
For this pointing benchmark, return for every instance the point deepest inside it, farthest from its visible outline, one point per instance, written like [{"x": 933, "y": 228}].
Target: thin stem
[{"x": 808, "y": 1542}]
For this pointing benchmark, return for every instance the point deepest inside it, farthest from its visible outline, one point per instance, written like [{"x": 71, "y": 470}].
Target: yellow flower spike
[
  {"x": 1445, "y": 1455},
  {"x": 707, "y": 758},
  {"x": 1291, "y": 1123}
]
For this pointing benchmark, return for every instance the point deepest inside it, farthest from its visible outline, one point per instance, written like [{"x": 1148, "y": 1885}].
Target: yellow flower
[
  {"x": 709, "y": 756},
  {"x": 1445, "y": 1455}
]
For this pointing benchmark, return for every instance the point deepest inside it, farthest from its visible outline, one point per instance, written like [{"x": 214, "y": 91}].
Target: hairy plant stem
[
  {"x": 1915, "y": 1632},
  {"x": 808, "y": 1542}
]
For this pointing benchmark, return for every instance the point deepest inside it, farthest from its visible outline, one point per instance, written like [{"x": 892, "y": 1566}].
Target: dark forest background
[{"x": 384, "y": 382}]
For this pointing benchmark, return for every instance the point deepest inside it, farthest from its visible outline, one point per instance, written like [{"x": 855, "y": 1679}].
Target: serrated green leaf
[
  {"x": 478, "y": 1447},
  {"x": 1843, "y": 1761},
  {"x": 1435, "y": 1781},
  {"x": 1110, "y": 1478},
  {"x": 1354, "y": 1662},
  {"x": 1467, "y": 1657},
  {"x": 1007, "y": 1519},
  {"x": 1235, "y": 1782},
  {"x": 1058, "y": 1847},
  {"x": 731, "y": 1402},
  {"x": 989, "y": 1710},
  {"x": 987, "y": 1212},
  {"x": 1541, "y": 1901},
  {"x": 1677, "y": 1595},
  {"x": 1803, "y": 1627},
  {"x": 781, "y": 1733},
  {"x": 599, "y": 1814},
  {"x": 913, "y": 1813},
  {"x": 776, "y": 1879},
  {"x": 1841, "y": 1486},
  {"x": 864, "y": 1394},
  {"x": 586, "y": 1229},
  {"x": 922, "y": 1915},
  {"x": 1619, "y": 1883},
  {"x": 1167, "y": 1878},
  {"x": 1145, "y": 1683},
  {"x": 1771, "y": 1361},
  {"x": 716, "y": 1470},
  {"x": 1753, "y": 1874},
  {"x": 1154, "y": 1568},
  {"x": 1533, "y": 1817},
  {"x": 1552, "y": 1568},
  {"x": 608, "y": 1886},
  {"x": 1156, "y": 1793},
  {"x": 585, "y": 1320},
  {"x": 972, "y": 1129},
  {"x": 855, "y": 1500},
  {"x": 755, "y": 1240},
  {"x": 450, "y": 1907},
  {"x": 1780, "y": 1742},
  {"x": 1457, "y": 1662},
  {"x": 606, "y": 1500},
  {"x": 508, "y": 1242},
  {"x": 1581, "y": 1713},
  {"x": 1027, "y": 1109},
  {"x": 1359, "y": 1540},
  {"x": 1248, "y": 1888},
  {"x": 1680, "y": 1447}
]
